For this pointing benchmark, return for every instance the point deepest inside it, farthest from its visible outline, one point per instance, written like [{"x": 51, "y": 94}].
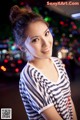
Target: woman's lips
[{"x": 46, "y": 50}]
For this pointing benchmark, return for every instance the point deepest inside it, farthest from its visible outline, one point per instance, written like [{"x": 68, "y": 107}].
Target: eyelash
[
  {"x": 34, "y": 40},
  {"x": 46, "y": 34}
]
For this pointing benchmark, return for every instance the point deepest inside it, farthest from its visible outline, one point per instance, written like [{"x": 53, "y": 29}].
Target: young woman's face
[{"x": 40, "y": 41}]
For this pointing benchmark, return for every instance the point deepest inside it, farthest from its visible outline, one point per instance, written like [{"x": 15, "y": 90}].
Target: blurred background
[{"x": 64, "y": 20}]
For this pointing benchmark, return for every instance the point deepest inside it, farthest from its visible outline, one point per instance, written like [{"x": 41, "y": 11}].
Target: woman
[{"x": 44, "y": 85}]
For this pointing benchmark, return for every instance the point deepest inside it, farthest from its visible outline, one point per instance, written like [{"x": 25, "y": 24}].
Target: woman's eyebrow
[
  {"x": 34, "y": 37},
  {"x": 46, "y": 30},
  {"x": 38, "y": 36}
]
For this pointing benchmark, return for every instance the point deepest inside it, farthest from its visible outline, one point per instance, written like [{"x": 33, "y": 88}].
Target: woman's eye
[
  {"x": 35, "y": 40},
  {"x": 46, "y": 34}
]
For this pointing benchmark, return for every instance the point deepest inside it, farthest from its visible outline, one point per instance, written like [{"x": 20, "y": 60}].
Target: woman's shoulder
[
  {"x": 24, "y": 71},
  {"x": 28, "y": 72},
  {"x": 56, "y": 59}
]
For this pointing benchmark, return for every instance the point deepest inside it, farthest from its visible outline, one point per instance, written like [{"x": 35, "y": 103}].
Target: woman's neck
[{"x": 40, "y": 63}]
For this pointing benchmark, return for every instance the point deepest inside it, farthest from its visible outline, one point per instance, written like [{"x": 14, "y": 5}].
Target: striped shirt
[{"x": 39, "y": 93}]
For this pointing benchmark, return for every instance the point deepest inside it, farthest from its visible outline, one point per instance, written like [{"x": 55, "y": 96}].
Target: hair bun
[
  {"x": 26, "y": 9},
  {"x": 16, "y": 11}
]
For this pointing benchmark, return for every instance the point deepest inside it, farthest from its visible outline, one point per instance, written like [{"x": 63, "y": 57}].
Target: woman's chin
[{"x": 47, "y": 55}]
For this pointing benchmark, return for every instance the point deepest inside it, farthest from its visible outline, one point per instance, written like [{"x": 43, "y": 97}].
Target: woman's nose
[{"x": 45, "y": 41}]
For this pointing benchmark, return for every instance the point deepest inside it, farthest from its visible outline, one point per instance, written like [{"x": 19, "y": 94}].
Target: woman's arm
[
  {"x": 73, "y": 109},
  {"x": 51, "y": 114}
]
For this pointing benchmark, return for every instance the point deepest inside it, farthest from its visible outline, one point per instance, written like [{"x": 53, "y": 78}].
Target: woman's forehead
[{"x": 36, "y": 28}]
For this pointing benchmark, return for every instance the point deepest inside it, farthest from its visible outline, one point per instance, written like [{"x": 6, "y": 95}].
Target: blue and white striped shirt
[{"x": 39, "y": 93}]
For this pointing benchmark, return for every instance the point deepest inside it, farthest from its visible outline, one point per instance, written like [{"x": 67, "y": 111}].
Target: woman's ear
[
  {"x": 19, "y": 47},
  {"x": 22, "y": 48}
]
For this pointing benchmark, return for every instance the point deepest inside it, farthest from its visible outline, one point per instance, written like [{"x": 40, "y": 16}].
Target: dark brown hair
[{"x": 20, "y": 19}]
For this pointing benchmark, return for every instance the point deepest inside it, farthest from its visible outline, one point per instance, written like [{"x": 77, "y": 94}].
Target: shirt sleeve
[
  {"x": 24, "y": 96},
  {"x": 63, "y": 67},
  {"x": 36, "y": 93},
  {"x": 66, "y": 75}
]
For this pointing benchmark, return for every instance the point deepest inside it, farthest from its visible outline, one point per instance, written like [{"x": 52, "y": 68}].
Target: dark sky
[{"x": 5, "y": 6}]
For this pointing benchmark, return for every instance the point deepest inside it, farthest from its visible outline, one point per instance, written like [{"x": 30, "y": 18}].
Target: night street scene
[{"x": 66, "y": 46}]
